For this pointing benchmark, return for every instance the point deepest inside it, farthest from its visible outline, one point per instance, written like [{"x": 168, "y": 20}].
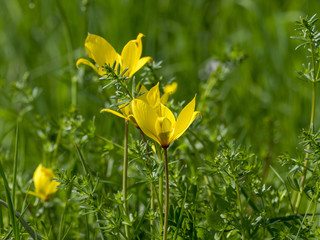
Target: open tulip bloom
[
  {"x": 151, "y": 97},
  {"x": 103, "y": 53},
  {"x": 44, "y": 184},
  {"x": 159, "y": 123}
]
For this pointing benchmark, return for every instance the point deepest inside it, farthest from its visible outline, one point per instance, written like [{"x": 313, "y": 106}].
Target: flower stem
[
  {"x": 124, "y": 177},
  {"x": 161, "y": 200},
  {"x": 151, "y": 184},
  {"x": 315, "y": 207},
  {"x": 51, "y": 223},
  {"x": 165, "y": 228},
  {"x": 240, "y": 209},
  {"x": 313, "y": 107}
]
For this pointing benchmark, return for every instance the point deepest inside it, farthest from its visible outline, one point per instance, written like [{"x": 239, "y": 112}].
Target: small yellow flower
[
  {"x": 168, "y": 90},
  {"x": 102, "y": 53},
  {"x": 159, "y": 123},
  {"x": 44, "y": 184}
]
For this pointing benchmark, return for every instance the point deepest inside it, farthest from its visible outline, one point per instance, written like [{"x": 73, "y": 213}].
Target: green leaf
[{"x": 215, "y": 221}]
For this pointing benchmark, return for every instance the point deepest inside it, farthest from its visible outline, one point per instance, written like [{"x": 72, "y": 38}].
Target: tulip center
[{"x": 164, "y": 130}]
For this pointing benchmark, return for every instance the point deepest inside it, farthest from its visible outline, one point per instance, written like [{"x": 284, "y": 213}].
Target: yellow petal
[
  {"x": 100, "y": 50},
  {"x": 113, "y": 112},
  {"x": 43, "y": 197},
  {"x": 164, "y": 130},
  {"x": 153, "y": 96},
  {"x": 146, "y": 118},
  {"x": 139, "y": 43},
  {"x": 37, "y": 176},
  {"x": 132, "y": 120},
  {"x": 52, "y": 188},
  {"x": 126, "y": 108},
  {"x": 144, "y": 92},
  {"x": 143, "y": 89},
  {"x": 185, "y": 118},
  {"x": 167, "y": 123},
  {"x": 44, "y": 185},
  {"x": 164, "y": 98},
  {"x": 90, "y": 64},
  {"x": 166, "y": 113},
  {"x": 130, "y": 54},
  {"x": 139, "y": 64}
]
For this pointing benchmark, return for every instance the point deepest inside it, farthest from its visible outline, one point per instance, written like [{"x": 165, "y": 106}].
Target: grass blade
[
  {"x": 32, "y": 232},
  {"x": 15, "y": 166},
  {"x": 10, "y": 204}
]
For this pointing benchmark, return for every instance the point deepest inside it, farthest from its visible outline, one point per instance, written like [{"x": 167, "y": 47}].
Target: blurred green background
[{"x": 261, "y": 102}]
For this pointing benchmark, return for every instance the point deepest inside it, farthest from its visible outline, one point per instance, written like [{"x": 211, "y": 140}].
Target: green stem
[
  {"x": 109, "y": 141},
  {"x": 161, "y": 200},
  {"x": 74, "y": 79},
  {"x": 51, "y": 223},
  {"x": 54, "y": 155},
  {"x": 311, "y": 127},
  {"x": 10, "y": 204},
  {"x": 1, "y": 222},
  {"x": 32, "y": 232},
  {"x": 152, "y": 208},
  {"x": 124, "y": 177},
  {"x": 15, "y": 166},
  {"x": 151, "y": 184},
  {"x": 315, "y": 207},
  {"x": 165, "y": 229},
  {"x": 240, "y": 209}
]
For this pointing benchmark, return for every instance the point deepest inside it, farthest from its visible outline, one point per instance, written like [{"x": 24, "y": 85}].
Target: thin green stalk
[
  {"x": 206, "y": 180},
  {"x": 51, "y": 223},
  {"x": 88, "y": 173},
  {"x": 15, "y": 166},
  {"x": 83, "y": 163},
  {"x": 311, "y": 127},
  {"x": 109, "y": 141},
  {"x": 315, "y": 207},
  {"x": 62, "y": 221},
  {"x": 74, "y": 79},
  {"x": 1, "y": 222},
  {"x": 151, "y": 207},
  {"x": 243, "y": 233},
  {"x": 87, "y": 228},
  {"x": 240, "y": 209},
  {"x": 10, "y": 204},
  {"x": 317, "y": 195},
  {"x": 165, "y": 228},
  {"x": 305, "y": 215},
  {"x": 161, "y": 200},
  {"x": 124, "y": 176},
  {"x": 54, "y": 155},
  {"x": 32, "y": 232},
  {"x": 180, "y": 219},
  {"x": 151, "y": 185}
]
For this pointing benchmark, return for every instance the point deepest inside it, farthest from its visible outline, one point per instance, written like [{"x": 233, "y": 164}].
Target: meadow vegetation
[{"x": 159, "y": 119}]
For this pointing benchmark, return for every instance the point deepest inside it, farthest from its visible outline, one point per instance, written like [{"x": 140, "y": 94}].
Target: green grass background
[{"x": 262, "y": 103}]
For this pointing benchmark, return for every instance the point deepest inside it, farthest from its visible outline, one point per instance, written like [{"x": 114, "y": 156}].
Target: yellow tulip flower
[
  {"x": 103, "y": 53},
  {"x": 152, "y": 97},
  {"x": 159, "y": 123},
  {"x": 44, "y": 184}
]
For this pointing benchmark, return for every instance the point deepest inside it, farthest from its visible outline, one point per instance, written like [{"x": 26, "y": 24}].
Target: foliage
[{"x": 239, "y": 172}]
